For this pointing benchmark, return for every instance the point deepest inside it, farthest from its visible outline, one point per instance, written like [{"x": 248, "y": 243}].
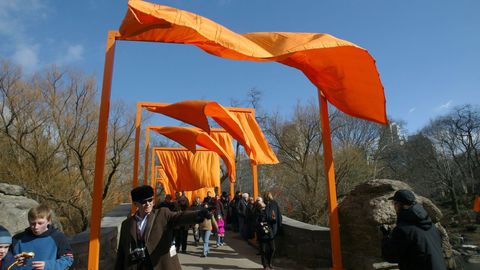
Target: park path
[{"x": 236, "y": 254}]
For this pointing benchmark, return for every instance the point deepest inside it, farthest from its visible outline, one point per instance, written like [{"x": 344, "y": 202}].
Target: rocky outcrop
[
  {"x": 364, "y": 210},
  {"x": 15, "y": 207}
]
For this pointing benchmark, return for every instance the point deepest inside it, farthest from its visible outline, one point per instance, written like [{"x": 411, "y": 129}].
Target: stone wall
[
  {"x": 303, "y": 246},
  {"x": 110, "y": 229},
  {"x": 299, "y": 246}
]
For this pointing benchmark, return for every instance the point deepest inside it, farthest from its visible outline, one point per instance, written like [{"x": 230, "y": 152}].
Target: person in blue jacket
[
  {"x": 6, "y": 257},
  {"x": 51, "y": 247}
]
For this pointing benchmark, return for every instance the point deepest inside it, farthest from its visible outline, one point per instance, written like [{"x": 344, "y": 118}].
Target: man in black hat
[
  {"x": 415, "y": 242},
  {"x": 146, "y": 237}
]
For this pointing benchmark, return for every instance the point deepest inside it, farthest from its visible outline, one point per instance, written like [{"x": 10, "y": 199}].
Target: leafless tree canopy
[{"x": 48, "y": 128}]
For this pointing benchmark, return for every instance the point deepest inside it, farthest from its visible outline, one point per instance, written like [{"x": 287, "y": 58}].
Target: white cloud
[
  {"x": 445, "y": 106},
  {"x": 27, "y": 58},
  {"x": 73, "y": 53},
  {"x": 15, "y": 17},
  {"x": 411, "y": 110}
]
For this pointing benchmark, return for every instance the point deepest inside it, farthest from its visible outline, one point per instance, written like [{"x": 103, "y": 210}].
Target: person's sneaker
[
  {"x": 217, "y": 245},
  {"x": 203, "y": 255}
]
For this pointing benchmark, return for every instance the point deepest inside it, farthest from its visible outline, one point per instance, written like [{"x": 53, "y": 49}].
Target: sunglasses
[{"x": 147, "y": 201}]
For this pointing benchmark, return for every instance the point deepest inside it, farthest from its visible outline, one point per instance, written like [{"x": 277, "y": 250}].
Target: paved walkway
[{"x": 236, "y": 254}]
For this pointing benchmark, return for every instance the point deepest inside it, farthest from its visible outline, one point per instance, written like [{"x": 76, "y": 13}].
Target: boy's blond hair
[{"x": 40, "y": 211}]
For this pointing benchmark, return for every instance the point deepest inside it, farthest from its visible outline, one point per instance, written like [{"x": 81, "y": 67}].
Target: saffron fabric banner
[
  {"x": 187, "y": 171},
  {"x": 262, "y": 151},
  {"x": 190, "y": 137},
  {"x": 240, "y": 123},
  {"x": 344, "y": 72}
]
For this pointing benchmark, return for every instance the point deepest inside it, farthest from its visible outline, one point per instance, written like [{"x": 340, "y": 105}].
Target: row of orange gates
[
  {"x": 193, "y": 170},
  {"x": 343, "y": 73}
]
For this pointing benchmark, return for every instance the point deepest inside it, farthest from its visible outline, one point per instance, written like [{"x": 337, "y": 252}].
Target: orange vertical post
[
  {"x": 153, "y": 180},
  {"x": 136, "y": 154},
  {"x": 102, "y": 134},
  {"x": 255, "y": 180},
  {"x": 232, "y": 190},
  {"x": 331, "y": 187},
  {"x": 145, "y": 164}
]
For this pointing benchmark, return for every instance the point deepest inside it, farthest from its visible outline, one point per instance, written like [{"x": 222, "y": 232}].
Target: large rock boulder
[
  {"x": 15, "y": 207},
  {"x": 364, "y": 210}
]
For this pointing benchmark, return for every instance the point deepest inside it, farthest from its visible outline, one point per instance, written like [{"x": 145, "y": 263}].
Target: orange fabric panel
[
  {"x": 196, "y": 113},
  {"x": 225, "y": 141},
  {"x": 187, "y": 171},
  {"x": 262, "y": 151},
  {"x": 162, "y": 178},
  {"x": 190, "y": 137},
  {"x": 344, "y": 72},
  {"x": 195, "y": 116},
  {"x": 476, "y": 204}
]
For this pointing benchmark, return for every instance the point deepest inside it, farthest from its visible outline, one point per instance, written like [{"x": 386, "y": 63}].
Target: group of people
[
  {"x": 257, "y": 220},
  {"x": 152, "y": 236},
  {"x": 40, "y": 246}
]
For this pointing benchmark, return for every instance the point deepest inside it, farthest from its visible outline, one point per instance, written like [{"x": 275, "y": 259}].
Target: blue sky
[{"x": 427, "y": 52}]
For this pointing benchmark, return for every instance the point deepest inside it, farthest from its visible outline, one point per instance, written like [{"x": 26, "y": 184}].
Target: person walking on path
[
  {"x": 205, "y": 229},
  {"x": 414, "y": 243},
  {"x": 220, "y": 230},
  {"x": 242, "y": 215},
  {"x": 273, "y": 211},
  {"x": 196, "y": 205},
  {"x": 265, "y": 235},
  {"x": 181, "y": 231}
]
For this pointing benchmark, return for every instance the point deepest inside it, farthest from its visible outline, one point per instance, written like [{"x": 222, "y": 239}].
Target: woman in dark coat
[{"x": 265, "y": 235}]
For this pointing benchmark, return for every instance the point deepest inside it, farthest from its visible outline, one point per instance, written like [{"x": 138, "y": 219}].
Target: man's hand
[{"x": 204, "y": 213}]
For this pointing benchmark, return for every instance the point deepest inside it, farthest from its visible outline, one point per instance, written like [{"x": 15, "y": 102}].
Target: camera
[{"x": 138, "y": 254}]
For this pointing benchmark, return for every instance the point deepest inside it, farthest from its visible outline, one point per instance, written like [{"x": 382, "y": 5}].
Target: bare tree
[
  {"x": 48, "y": 124},
  {"x": 456, "y": 138}
]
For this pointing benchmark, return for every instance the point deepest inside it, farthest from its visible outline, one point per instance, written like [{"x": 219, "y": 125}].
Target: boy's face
[
  {"x": 3, "y": 250},
  {"x": 39, "y": 225}
]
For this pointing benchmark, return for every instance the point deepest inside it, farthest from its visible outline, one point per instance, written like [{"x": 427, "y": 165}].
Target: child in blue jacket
[
  {"x": 51, "y": 247},
  {"x": 6, "y": 257}
]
